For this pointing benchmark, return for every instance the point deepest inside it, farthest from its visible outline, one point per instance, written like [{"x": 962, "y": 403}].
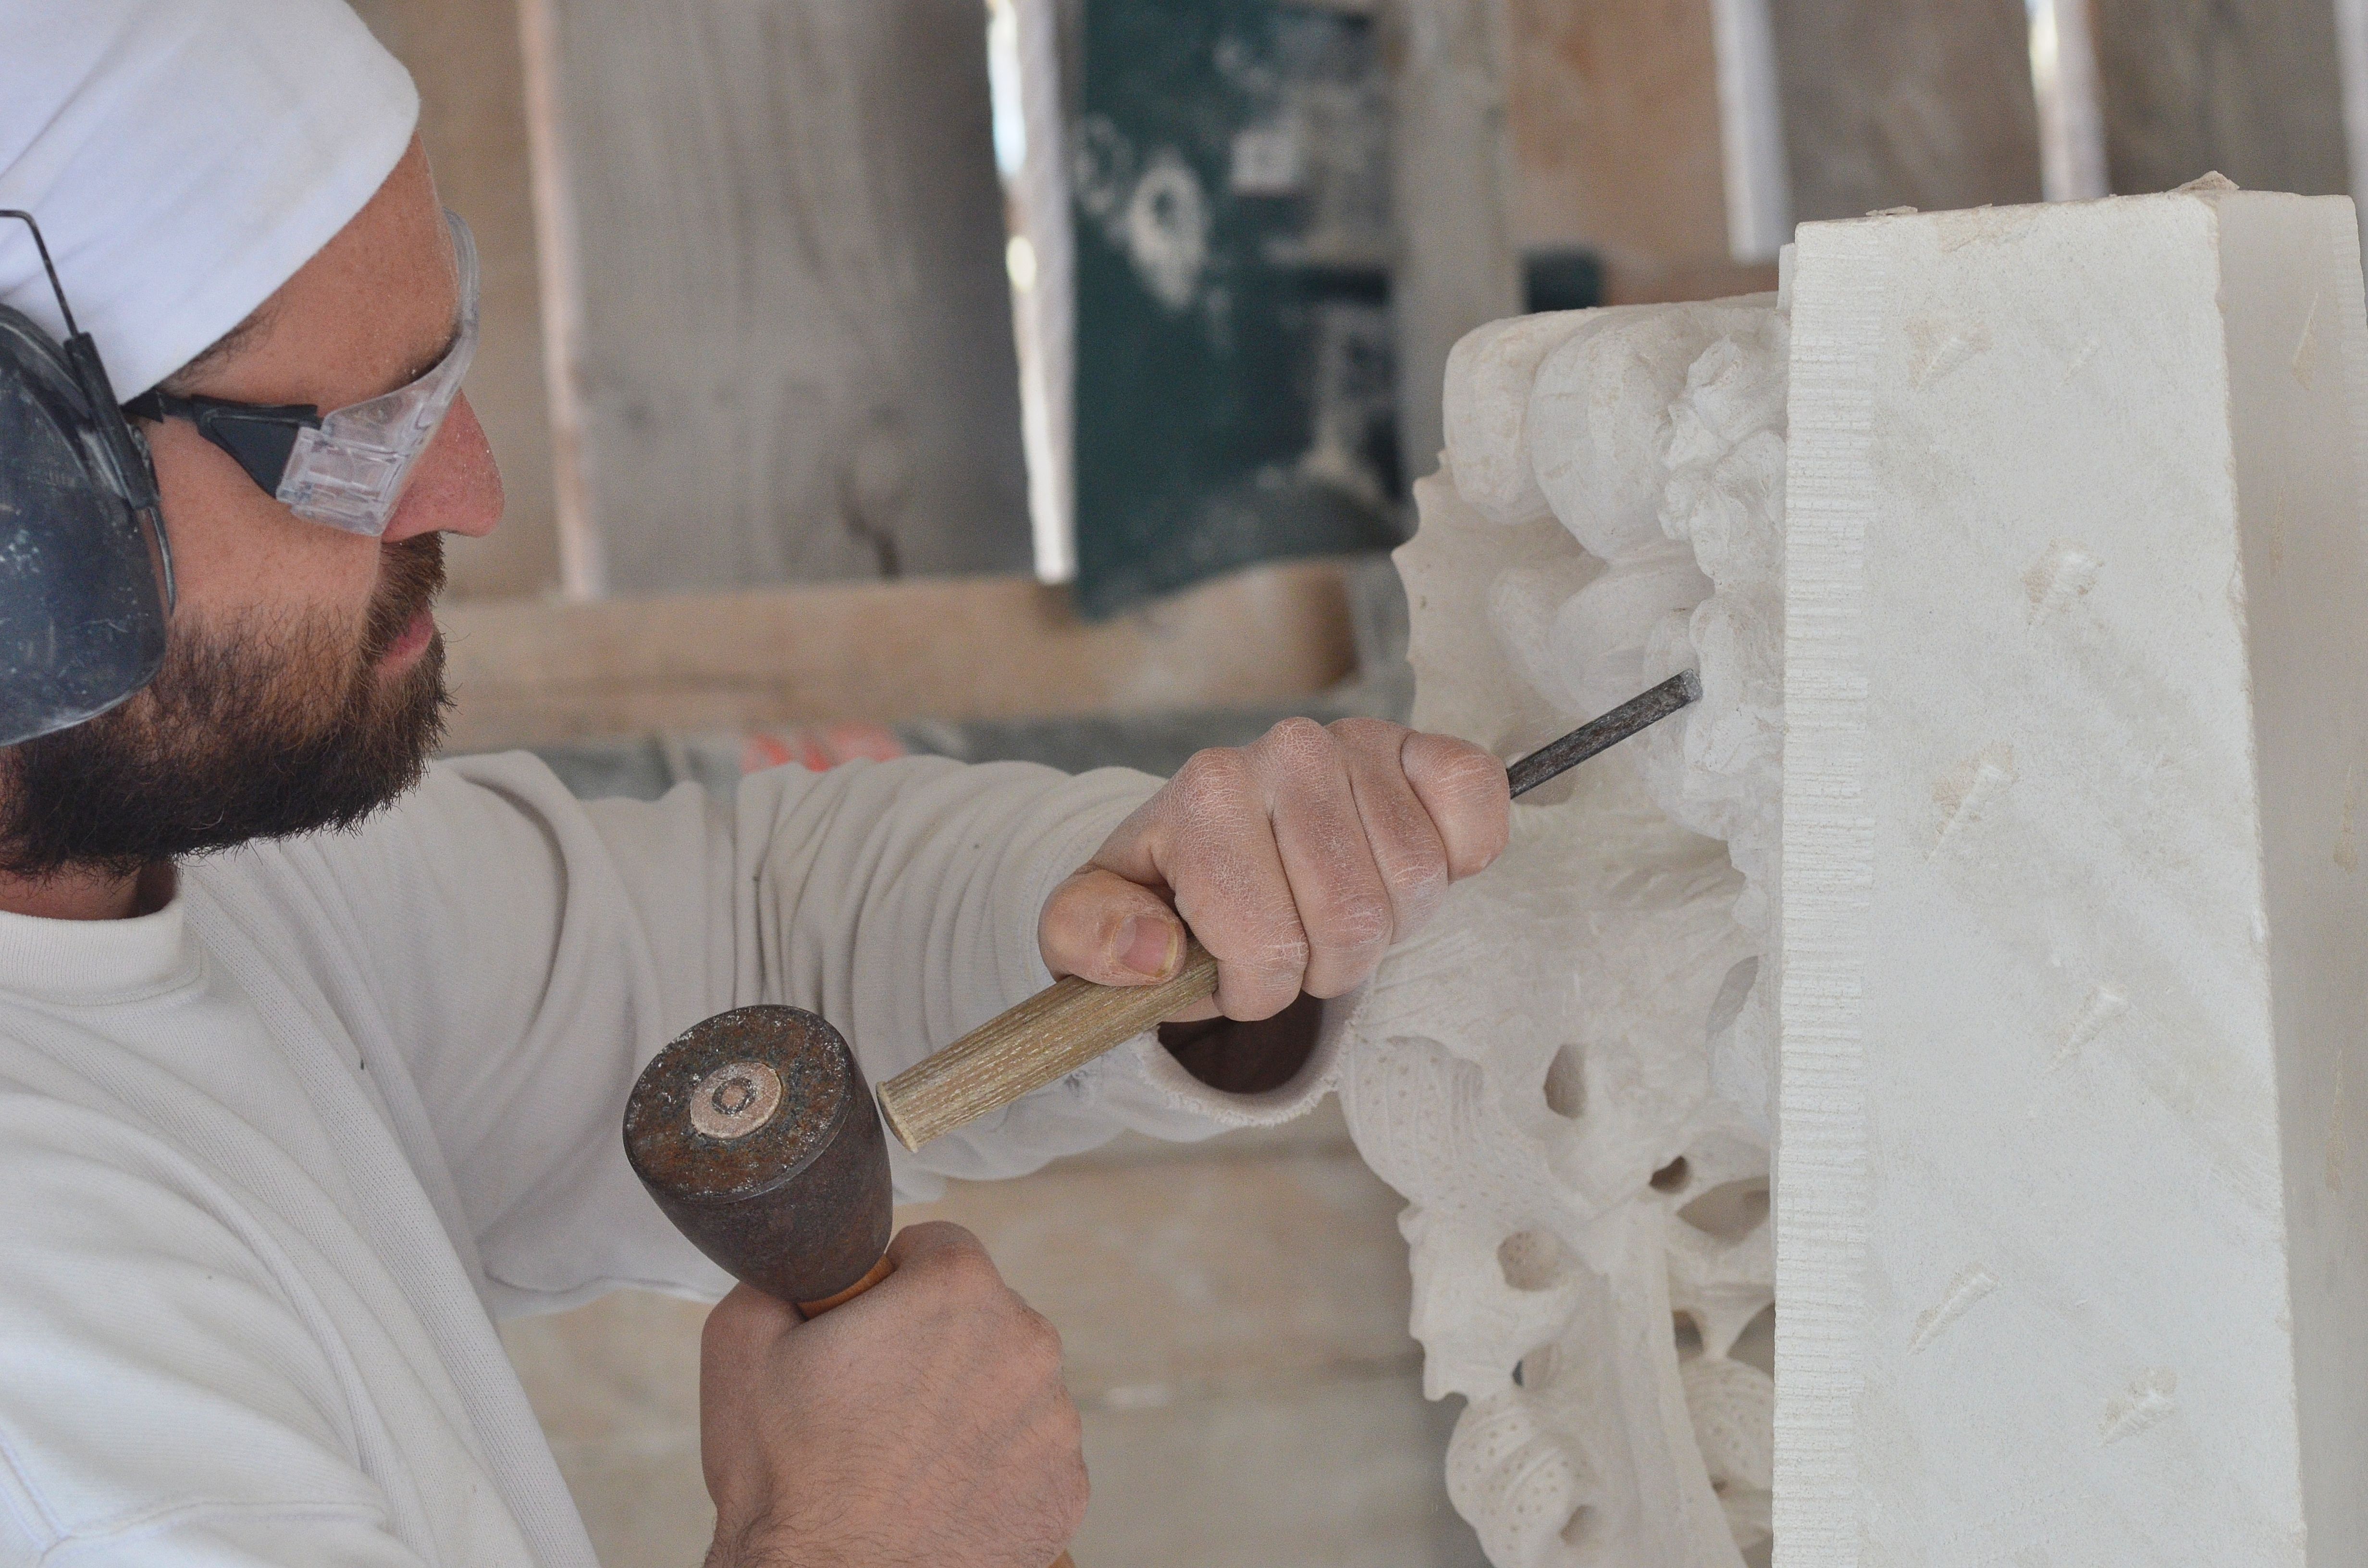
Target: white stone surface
[
  {"x": 2071, "y": 1228},
  {"x": 2034, "y": 636},
  {"x": 1536, "y": 1072}
]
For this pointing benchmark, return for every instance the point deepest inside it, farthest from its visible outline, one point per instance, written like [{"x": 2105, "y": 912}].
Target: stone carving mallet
[
  {"x": 755, "y": 1135},
  {"x": 754, "y": 1132}
]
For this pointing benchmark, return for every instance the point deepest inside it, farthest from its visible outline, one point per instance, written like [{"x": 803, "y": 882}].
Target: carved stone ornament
[
  {"x": 1568, "y": 1074},
  {"x": 2021, "y": 555}
]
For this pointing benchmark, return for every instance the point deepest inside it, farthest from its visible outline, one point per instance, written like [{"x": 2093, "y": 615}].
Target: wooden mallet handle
[
  {"x": 880, "y": 1270},
  {"x": 1048, "y": 1036}
]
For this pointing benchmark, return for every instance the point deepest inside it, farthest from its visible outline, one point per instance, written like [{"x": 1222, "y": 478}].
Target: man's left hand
[{"x": 1297, "y": 860}]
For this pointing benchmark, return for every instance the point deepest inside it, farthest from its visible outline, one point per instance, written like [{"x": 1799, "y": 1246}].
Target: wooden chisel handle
[
  {"x": 1048, "y": 1036},
  {"x": 880, "y": 1270}
]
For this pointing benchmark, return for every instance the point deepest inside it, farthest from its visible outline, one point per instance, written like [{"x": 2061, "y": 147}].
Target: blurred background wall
[{"x": 788, "y": 303}]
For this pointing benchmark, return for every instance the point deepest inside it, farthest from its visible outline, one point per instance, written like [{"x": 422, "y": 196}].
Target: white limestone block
[{"x": 2072, "y": 1228}]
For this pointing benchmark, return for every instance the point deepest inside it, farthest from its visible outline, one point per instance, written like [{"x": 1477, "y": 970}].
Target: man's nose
[{"x": 456, "y": 488}]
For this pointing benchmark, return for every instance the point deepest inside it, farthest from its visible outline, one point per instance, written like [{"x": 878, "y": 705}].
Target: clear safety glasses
[{"x": 347, "y": 468}]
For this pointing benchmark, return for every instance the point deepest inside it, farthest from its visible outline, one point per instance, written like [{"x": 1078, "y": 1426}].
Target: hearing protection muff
[{"x": 86, "y": 574}]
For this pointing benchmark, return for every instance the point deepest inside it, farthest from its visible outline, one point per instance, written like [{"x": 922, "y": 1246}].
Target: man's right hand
[{"x": 924, "y": 1422}]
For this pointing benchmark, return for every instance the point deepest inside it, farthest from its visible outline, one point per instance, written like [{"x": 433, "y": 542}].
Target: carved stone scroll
[{"x": 1592, "y": 1258}]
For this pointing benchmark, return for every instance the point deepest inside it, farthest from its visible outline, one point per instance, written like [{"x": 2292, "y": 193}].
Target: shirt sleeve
[
  {"x": 168, "y": 1403},
  {"x": 533, "y": 951}
]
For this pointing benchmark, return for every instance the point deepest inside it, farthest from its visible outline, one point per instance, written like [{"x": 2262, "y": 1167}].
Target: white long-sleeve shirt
[{"x": 273, "y": 1157}]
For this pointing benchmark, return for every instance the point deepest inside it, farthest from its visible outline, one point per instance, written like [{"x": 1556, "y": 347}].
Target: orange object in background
[{"x": 819, "y": 746}]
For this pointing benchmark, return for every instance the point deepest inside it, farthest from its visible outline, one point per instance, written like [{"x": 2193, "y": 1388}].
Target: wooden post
[
  {"x": 1455, "y": 266},
  {"x": 2253, "y": 91},
  {"x": 464, "y": 56},
  {"x": 1906, "y": 103},
  {"x": 1644, "y": 132},
  {"x": 782, "y": 333}
]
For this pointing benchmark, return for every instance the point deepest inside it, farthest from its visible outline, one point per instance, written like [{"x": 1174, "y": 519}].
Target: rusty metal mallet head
[{"x": 755, "y": 1132}]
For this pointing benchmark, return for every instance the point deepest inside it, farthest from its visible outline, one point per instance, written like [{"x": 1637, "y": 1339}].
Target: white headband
[{"x": 184, "y": 157}]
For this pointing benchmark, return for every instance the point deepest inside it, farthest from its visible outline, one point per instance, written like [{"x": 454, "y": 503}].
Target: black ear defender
[{"x": 86, "y": 574}]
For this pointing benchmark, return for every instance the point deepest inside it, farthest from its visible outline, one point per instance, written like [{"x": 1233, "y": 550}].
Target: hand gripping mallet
[
  {"x": 1073, "y": 1021},
  {"x": 755, "y": 1134}
]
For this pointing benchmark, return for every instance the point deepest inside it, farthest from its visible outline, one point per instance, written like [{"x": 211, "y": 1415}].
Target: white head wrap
[{"x": 184, "y": 157}]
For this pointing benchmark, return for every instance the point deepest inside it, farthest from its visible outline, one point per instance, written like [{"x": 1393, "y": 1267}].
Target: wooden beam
[{"x": 532, "y": 673}]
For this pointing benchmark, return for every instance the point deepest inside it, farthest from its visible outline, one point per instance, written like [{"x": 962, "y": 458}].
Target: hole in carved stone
[
  {"x": 1566, "y": 1082},
  {"x": 1580, "y": 1530},
  {"x": 1673, "y": 1176},
  {"x": 1688, "y": 1336},
  {"x": 1532, "y": 1260},
  {"x": 1730, "y": 1210},
  {"x": 1756, "y": 1345},
  {"x": 1534, "y": 1369}
]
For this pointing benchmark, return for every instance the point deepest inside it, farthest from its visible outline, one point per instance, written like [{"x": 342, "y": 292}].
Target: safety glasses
[{"x": 347, "y": 468}]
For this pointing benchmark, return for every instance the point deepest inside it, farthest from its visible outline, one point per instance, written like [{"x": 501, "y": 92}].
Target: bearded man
[{"x": 312, "y": 1052}]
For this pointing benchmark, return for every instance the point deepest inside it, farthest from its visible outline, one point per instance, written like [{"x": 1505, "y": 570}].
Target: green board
[{"x": 1235, "y": 388}]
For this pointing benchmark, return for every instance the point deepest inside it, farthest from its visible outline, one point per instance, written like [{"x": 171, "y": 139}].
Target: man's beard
[{"x": 256, "y": 730}]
